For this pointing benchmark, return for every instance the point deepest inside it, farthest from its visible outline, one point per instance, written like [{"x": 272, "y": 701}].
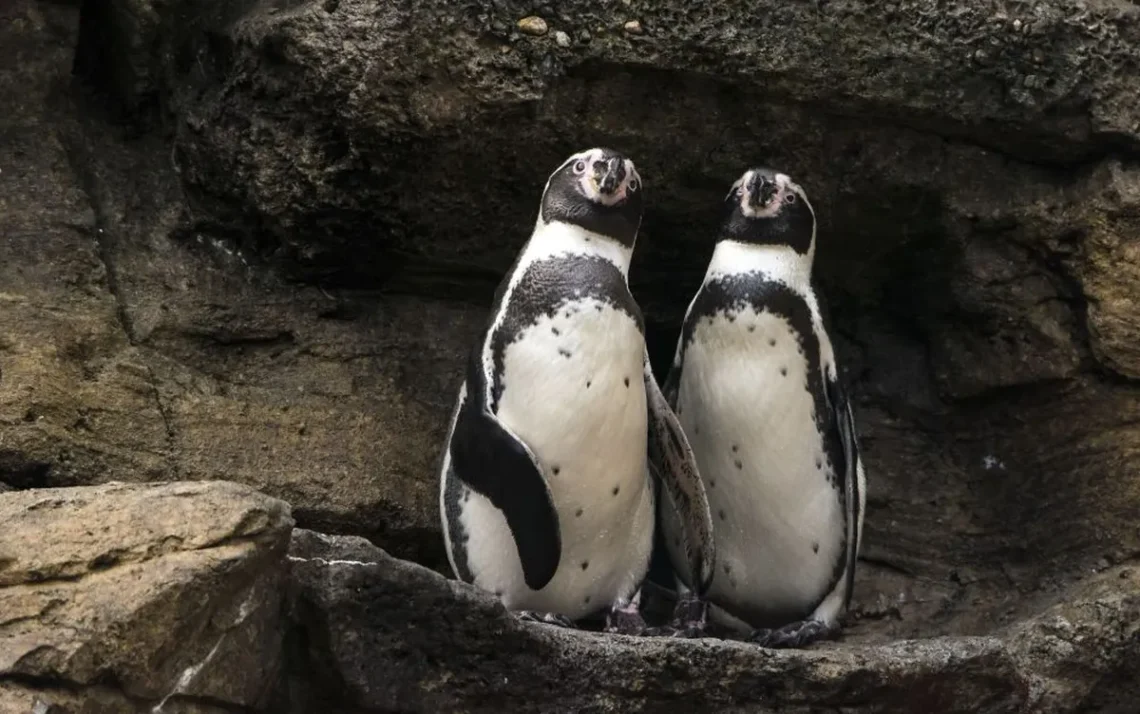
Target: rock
[
  {"x": 1109, "y": 270},
  {"x": 71, "y": 386},
  {"x": 384, "y": 634},
  {"x": 476, "y": 96},
  {"x": 136, "y": 345},
  {"x": 633, "y": 27},
  {"x": 122, "y": 597},
  {"x": 532, "y": 25},
  {"x": 24, "y": 699},
  {"x": 890, "y": 194},
  {"x": 562, "y": 39}
]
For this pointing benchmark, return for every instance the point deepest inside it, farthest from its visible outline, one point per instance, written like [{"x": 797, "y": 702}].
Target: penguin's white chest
[
  {"x": 573, "y": 391},
  {"x": 744, "y": 403}
]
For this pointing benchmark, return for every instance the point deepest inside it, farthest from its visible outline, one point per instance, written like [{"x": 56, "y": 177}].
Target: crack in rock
[{"x": 190, "y": 673}]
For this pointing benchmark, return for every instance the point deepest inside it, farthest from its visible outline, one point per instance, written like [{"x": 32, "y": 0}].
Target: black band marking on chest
[
  {"x": 551, "y": 286},
  {"x": 732, "y": 294}
]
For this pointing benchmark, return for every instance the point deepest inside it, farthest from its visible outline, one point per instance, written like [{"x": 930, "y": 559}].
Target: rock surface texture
[
  {"x": 126, "y": 597},
  {"x": 252, "y": 241},
  {"x": 384, "y": 633}
]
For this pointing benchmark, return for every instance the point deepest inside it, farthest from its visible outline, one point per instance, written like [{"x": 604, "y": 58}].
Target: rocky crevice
[{"x": 84, "y": 166}]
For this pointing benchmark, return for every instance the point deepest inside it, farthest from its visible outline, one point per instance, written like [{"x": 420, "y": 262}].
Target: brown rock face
[
  {"x": 130, "y": 595},
  {"x": 255, "y": 240},
  {"x": 133, "y": 347}
]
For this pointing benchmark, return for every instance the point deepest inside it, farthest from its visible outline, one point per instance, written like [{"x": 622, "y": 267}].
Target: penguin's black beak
[
  {"x": 609, "y": 175},
  {"x": 761, "y": 189}
]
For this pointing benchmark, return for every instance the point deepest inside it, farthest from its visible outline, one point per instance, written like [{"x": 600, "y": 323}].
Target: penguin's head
[
  {"x": 599, "y": 190},
  {"x": 765, "y": 207}
]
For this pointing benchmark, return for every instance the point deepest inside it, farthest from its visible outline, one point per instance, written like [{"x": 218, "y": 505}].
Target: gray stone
[{"x": 386, "y": 635}]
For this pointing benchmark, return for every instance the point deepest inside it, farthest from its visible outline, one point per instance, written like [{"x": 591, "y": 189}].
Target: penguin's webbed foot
[
  {"x": 796, "y": 634},
  {"x": 690, "y": 619},
  {"x": 546, "y": 618},
  {"x": 624, "y": 618}
]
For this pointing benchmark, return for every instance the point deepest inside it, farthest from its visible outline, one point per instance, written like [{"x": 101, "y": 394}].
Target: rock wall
[
  {"x": 252, "y": 241},
  {"x": 133, "y": 348}
]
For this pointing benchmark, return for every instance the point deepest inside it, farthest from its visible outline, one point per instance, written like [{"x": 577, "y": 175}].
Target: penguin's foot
[
  {"x": 624, "y": 618},
  {"x": 546, "y": 618},
  {"x": 796, "y": 634},
  {"x": 690, "y": 618}
]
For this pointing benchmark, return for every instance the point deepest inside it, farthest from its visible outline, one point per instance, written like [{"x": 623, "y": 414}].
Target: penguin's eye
[
  {"x": 790, "y": 198},
  {"x": 580, "y": 167},
  {"x": 634, "y": 184}
]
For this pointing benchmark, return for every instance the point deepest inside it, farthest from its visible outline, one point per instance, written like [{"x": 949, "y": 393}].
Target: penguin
[
  {"x": 560, "y": 437},
  {"x": 756, "y": 387}
]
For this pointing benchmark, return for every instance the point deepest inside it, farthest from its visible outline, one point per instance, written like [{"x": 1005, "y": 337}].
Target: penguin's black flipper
[
  {"x": 671, "y": 460},
  {"x": 844, "y": 422},
  {"x": 495, "y": 463}
]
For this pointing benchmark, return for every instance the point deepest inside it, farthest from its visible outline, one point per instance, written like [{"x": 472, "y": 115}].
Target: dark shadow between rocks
[{"x": 19, "y": 473}]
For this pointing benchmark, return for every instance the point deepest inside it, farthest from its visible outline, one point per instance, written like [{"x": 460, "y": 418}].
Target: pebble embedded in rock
[
  {"x": 633, "y": 27},
  {"x": 562, "y": 39},
  {"x": 533, "y": 25}
]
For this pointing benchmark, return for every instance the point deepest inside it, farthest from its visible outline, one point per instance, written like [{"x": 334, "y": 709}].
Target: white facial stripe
[
  {"x": 631, "y": 174},
  {"x": 590, "y": 189},
  {"x": 789, "y": 185},
  {"x": 580, "y": 156},
  {"x": 784, "y": 187},
  {"x": 739, "y": 182}
]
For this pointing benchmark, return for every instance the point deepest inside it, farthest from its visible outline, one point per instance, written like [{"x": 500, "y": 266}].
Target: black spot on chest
[
  {"x": 547, "y": 288},
  {"x": 732, "y": 294}
]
